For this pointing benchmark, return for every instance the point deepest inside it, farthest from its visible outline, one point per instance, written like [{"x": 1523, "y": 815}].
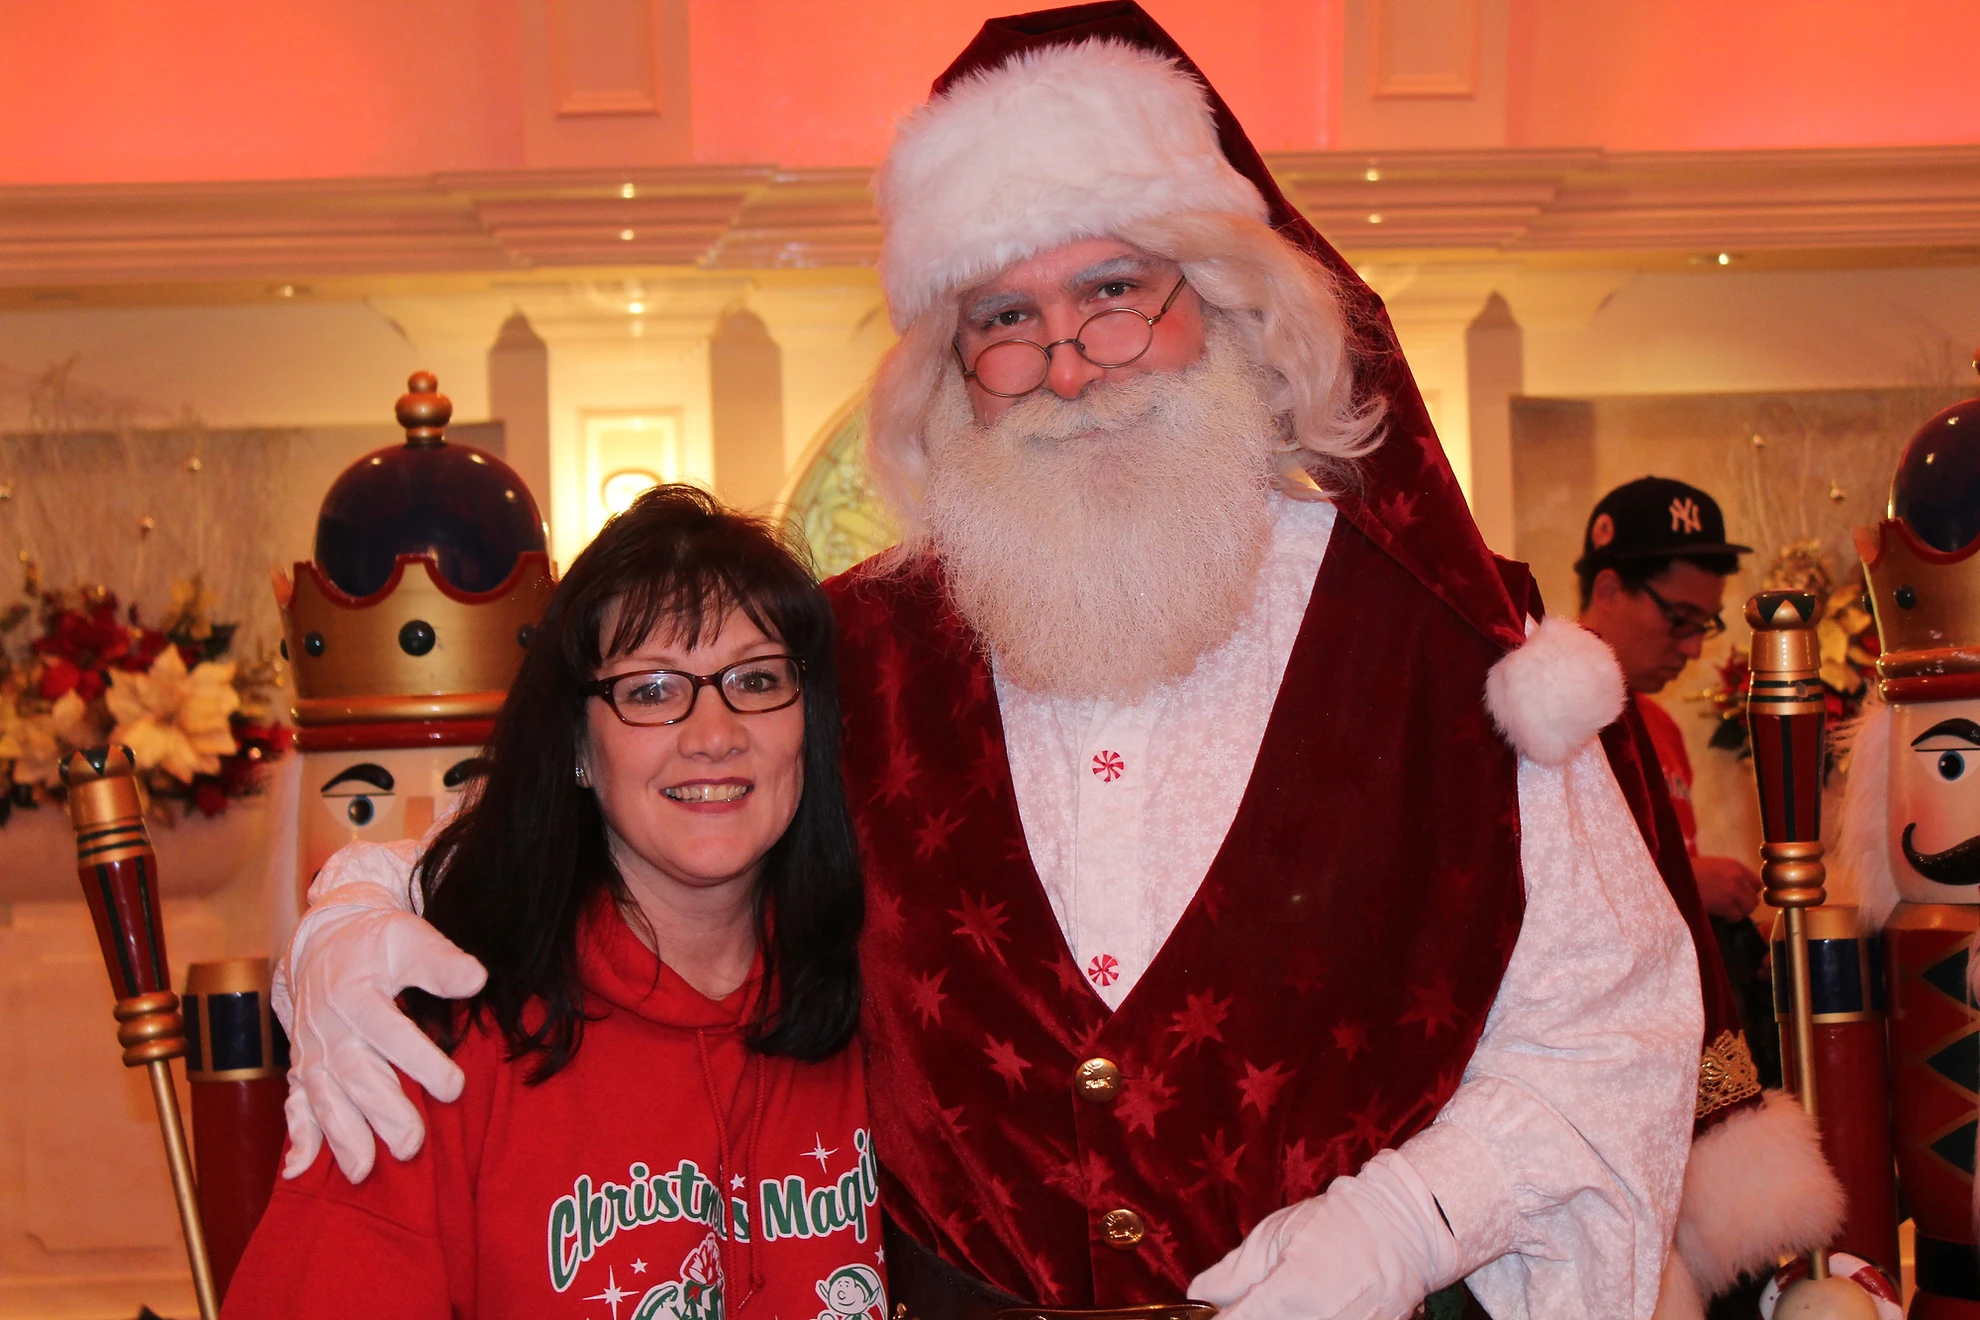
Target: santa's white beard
[{"x": 1101, "y": 546}]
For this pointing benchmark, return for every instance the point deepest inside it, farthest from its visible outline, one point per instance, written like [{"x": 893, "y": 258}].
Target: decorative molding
[
  {"x": 604, "y": 57},
  {"x": 1423, "y": 49},
  {"x": 1835, "y": 206}
]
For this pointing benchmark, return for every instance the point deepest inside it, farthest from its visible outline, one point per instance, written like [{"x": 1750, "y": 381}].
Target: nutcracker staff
[
  {"x": 118, "y": 871},
  {"x": 1910, "y": 840}
]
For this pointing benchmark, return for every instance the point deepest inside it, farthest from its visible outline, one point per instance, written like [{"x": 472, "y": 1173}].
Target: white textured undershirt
[{"x": 1125, "y": 806}]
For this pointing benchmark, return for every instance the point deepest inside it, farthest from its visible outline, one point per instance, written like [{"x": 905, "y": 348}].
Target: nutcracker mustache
[
  {"x": 1957, "y": 865},
  {"x": 1102, "y": 545}
]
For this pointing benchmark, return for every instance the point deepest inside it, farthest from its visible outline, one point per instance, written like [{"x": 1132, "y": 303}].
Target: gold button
[
  {"x": 1122, "y": 1229},
  {"x": 1098, "y": 1080}
]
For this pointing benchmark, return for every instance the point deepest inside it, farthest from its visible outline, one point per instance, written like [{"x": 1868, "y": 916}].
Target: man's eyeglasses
[
  {"x": 667, "y": 696},
  {"x": 1686, "y": 621},
  {"x": 1113, "y": 338}
]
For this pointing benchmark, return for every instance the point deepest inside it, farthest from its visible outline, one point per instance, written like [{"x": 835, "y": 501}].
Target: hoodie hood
[{"x": 622, "y": 971}]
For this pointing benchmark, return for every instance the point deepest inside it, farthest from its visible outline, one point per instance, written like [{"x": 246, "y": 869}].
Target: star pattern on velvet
[
  {"x": 1434, "y": 1005},
  {"x": 953, "y": 1226},
  {"x": 1006, "y": 1062},
  {"x": 983, "y": 922},
  {"x": 1299, "y": 1173},
  {"x": 1306, "y": 970},
  {"x": 1366, "y": 1129},
  {"x": 952, "y": 1119},
  {"x": 897, "y": 778},
  {"x": 975, "y": 691},
  {"x": 933, "y": 836},
  {"x": 986, "y": 768},
  {"x": 1351, "y": 1039},
  {"x": 1000, "y": 1193},
  {"x": 1200, "y": 1019},
  {"x": 1261, "y": 1086},
  {"x": 926, "y": 994},
  {"x": 1086, "y": 1041},
  {"x": 1041, "y": 1275},
  {"x": 1211, "y": 895},
  {"x": 1070, "y": 980},
  {"x": 1399, "y": 507},
  {"x": 1146, "y": 1098},
  {"x": 1219, "y": 1165},
  {"x": 883, "y": 914},
  {"x": 1081, "y": 1178},
  {"x": 890, "y": 677}
]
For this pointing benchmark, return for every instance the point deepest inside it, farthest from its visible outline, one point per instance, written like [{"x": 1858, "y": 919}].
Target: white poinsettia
[
  {"x": 174, "y": 720},
  {"x": 46, "y": 739}
]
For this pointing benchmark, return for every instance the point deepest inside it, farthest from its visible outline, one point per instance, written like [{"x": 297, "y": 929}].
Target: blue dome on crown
[{"x": 466, "y": 508}]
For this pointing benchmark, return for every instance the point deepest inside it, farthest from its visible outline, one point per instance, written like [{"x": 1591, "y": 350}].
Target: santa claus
[{"x": 1253, "y": 913}]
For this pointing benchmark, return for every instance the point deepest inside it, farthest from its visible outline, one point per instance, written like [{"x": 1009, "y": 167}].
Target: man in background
[{"x": 1653, "y": 569}]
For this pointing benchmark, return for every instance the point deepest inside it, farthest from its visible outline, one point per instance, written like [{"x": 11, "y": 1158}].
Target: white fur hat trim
[
  {"x": 1556, "y": 692},
  {"x": 1053, "y": 145}
]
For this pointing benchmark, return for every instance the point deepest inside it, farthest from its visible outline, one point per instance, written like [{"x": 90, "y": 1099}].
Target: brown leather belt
[{"x": 926, "y": 1287}]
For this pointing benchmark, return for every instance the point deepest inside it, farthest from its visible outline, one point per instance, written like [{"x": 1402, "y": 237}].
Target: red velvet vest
[{"x": 1317, "y": 1001}]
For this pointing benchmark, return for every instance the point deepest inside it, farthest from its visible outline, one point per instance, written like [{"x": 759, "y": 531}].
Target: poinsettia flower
[
  {"x": 47, "y": 739},
  {"x": 59, "y": 677},
  {"x": 174, "y": 719}
]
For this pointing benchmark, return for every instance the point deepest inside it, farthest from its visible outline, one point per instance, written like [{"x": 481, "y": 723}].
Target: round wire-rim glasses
[
  {"x": 648, "y": 698},
  {"x": 1108, "y": 339}
]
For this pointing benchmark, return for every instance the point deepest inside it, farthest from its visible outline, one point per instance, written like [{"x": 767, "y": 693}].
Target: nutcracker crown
[
  {"x": 431, "y": 570},
  {"x": 1923, "y": 564}
]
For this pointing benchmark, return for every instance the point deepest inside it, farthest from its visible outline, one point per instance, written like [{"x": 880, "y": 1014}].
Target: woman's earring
[{"x": 583, "y": 780}]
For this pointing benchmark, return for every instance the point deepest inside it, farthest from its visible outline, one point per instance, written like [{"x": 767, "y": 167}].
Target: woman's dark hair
[{"x": 509, "y": 879}]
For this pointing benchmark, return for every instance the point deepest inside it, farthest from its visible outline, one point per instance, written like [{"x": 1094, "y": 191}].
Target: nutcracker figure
[
  {"x": 1910, "y": 845},
  {"x": 403, "y": 635},
  {"x": 404, "y": 632}
]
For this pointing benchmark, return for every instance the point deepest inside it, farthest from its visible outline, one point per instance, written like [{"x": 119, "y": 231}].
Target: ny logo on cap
[{"x": 1684, "y": 515}]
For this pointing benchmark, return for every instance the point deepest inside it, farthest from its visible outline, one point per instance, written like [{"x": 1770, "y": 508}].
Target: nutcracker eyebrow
[
  {"x": 364, "y": 772},
  {"x": 1958, "y": 727}
]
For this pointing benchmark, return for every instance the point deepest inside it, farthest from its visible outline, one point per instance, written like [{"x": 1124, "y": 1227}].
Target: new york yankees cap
[{"x": 1652, "y": 517}]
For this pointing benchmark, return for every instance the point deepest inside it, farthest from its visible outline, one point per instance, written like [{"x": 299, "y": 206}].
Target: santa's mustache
[{"x": 1957, "y": 865}]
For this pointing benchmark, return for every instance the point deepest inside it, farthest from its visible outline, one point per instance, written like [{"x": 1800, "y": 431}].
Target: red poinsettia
[{"x": 80, "y": 646}]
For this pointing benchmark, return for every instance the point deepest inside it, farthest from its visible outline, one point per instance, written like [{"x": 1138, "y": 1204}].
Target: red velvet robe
[{"x": 1316, "y": 1003}]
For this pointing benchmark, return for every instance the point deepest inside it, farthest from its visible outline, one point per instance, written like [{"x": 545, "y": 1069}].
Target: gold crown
[
  {"x": 1927, "y": 604},
  {"x": 420, "y": 649},
  {"x": 418, "y": 660}
]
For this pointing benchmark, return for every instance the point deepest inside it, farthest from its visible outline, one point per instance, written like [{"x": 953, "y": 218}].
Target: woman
[{"x": 663, "y": 1115}]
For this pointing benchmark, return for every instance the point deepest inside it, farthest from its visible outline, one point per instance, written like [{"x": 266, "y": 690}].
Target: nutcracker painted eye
[
  {"x": 1951, "y": 765},
  {"x": 357, "y": 793}
]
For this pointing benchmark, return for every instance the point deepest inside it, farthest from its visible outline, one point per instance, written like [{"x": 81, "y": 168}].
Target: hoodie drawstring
[{"x": 720, "y": 1111}]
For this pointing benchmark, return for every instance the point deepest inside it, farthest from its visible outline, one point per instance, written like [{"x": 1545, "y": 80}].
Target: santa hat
[
  {"x": 1055, "y": 144},
  {"x": 1072, "y": 122}
]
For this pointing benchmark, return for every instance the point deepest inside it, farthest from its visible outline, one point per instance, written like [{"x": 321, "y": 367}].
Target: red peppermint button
[{"x": 1109, "y": 766}]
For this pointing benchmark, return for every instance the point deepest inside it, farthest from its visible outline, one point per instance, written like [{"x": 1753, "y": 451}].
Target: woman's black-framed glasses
[
  {"x": 1113, "y": 338},
  {"x": 1685, "y": 625},
  {"x": 666, "y": 696}
]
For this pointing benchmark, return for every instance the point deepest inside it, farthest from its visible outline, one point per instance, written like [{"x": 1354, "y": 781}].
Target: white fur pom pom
[{"x": 1556, "y": 692}]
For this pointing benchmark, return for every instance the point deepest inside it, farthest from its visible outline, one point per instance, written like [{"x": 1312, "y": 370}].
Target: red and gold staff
[
  {"x": 119, "y": 879},
  {"x": 1786, "y": 715}
]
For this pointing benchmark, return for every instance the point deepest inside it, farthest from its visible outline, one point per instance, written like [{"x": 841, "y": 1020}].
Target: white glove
[
  {"x": 1371, "y": 1247},
  {"x": 357, "y": 947}
]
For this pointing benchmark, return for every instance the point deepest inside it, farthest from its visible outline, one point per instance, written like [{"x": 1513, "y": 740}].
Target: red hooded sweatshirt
[{"x": 599, "y": 1193}]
